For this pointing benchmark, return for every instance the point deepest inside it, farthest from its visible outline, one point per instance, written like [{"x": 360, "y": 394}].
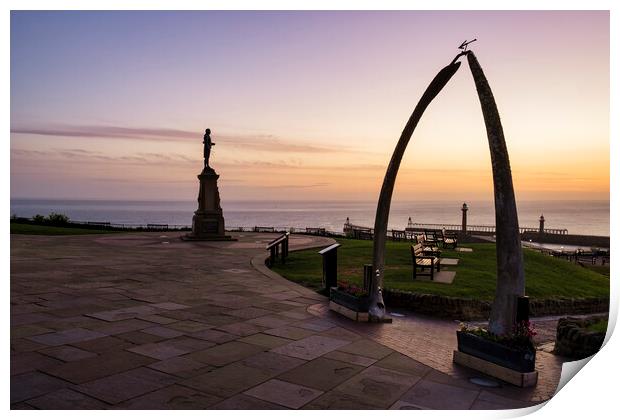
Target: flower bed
[
  {"x": 514, "y": 351},
  {"x": 350, "y": 296}
]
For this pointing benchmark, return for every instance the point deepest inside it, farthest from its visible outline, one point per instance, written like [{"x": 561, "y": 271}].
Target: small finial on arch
[{"x": 465, "y": 44}]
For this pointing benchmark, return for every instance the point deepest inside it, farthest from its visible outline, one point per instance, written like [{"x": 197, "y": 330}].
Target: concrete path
[{"x": 146, "y": 321}]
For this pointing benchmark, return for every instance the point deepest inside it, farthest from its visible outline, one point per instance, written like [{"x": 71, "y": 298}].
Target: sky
[{"x": 304, "y": 105}]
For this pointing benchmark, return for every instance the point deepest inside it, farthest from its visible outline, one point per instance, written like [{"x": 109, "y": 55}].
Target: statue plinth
[{"x": 208, "y": 220}]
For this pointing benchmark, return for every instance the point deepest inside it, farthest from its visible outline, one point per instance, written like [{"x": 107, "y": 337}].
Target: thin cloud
[
  {"x": 142, "y": 181},
  {"x": 28, "y": 153},
  {"x": 81, "y": 156},
  {"x": 272, "y": 144},
  {"x": 102, "y": 132},
  {"x": 262, "y": 142},
  {"x": 244, "y": 164},
  {"x": 87, "y": 156},
  {"x": 257, "y": 164},
  {"x": 319, "y": 185}
]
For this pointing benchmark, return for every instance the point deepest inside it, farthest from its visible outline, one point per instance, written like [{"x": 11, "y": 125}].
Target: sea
[{"x": 579, "y": 217}]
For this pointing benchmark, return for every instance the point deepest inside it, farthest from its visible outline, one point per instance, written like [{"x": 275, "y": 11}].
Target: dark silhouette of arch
[
  {"x": 510, "y": 278},
  {"x": 510, "y": 272},
  {"x": 377, "y": 306}
]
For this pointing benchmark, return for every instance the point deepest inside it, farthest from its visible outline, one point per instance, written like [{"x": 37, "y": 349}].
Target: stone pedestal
[{"x": 208, "y": 220}]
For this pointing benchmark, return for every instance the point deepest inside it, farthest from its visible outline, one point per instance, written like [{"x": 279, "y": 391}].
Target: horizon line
[{"x": 293, "y": 200}]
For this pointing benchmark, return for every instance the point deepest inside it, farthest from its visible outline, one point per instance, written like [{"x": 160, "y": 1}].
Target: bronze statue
[{"x": 207, "y": 146}]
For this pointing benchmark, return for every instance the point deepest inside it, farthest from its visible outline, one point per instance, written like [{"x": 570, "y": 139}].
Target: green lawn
[
  {"x": 26, "y": 229},
  {"x": 600, "y": 326},
  {"x": 545, "y": 276},
  {"x": 604, "y": 269}
]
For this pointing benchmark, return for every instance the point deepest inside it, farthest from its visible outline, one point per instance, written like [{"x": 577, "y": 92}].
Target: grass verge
[
  {"x": 546, "y": 277},
  {"x": 599, "y": 327}
]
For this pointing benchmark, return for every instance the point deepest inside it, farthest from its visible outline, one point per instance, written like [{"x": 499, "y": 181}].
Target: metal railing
[
  {"x": 478, "y": 228},
  {"x": 316, "y": 231},
  {"x": 349, "y": 230},
  {"x": 107, "y": 225}
]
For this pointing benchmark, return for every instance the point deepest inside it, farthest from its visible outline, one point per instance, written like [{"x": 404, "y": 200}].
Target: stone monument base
[
  {"x": 207, "y": 226},
  {"x": 208, "y": 221}
]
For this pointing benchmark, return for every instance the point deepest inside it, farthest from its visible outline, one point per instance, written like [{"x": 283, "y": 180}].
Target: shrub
[
  {"x": 38, "y": 219},
  {"x": 352, "y": 289},
  {"x": 57, "y": 219}
]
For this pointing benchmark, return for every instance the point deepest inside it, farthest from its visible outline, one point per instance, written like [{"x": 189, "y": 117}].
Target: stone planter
[
  {"x": 354, "y": 303},
  {"x": 520, "y": 360},
  {"x": 573, "y": 339}
]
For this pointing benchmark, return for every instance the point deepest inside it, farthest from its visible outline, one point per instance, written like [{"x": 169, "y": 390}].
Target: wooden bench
[
  {"x": 431, "y": 238},
  {"x": 399, "y": 235},
  {"x": 429, "y": 249},
  {"x": 263, "y": 229},
  {"x": 449, "y": 240},
  {"x": 423, "y": 261},
  {"x": 365, "y": 234},
  {"x": 155, "y": 226},
  {"x": 101, "y": 224},
  {"x": 315, "y": 231},
  {"x": 582, "y": 257}
]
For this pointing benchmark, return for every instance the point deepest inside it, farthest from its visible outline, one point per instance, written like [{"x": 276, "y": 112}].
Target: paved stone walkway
[{"x": 146, "y": 321}]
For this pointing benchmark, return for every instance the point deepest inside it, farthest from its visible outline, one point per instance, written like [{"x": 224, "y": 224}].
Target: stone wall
[
  {"x": 574, "y": 340},
  {"x": 577, "y": 240},
  {"x": 439, "y": 306},
  {"x": 544, "y": 307},
  {"x": 464, "y": 309}
]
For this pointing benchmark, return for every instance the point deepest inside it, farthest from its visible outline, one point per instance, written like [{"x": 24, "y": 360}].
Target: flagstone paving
[{"x": 137, "y": 321}]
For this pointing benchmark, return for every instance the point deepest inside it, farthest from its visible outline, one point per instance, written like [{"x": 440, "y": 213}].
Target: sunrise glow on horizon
[{"x": 304, "y": 105}]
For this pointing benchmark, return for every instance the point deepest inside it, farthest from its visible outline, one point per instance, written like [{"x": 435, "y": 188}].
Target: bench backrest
[
  {"x": 417, "y": 250},
  {"x": 430, "y": 236},
  {"x": 264, "y": 229},
  {"x": 156, "y": 226}
]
